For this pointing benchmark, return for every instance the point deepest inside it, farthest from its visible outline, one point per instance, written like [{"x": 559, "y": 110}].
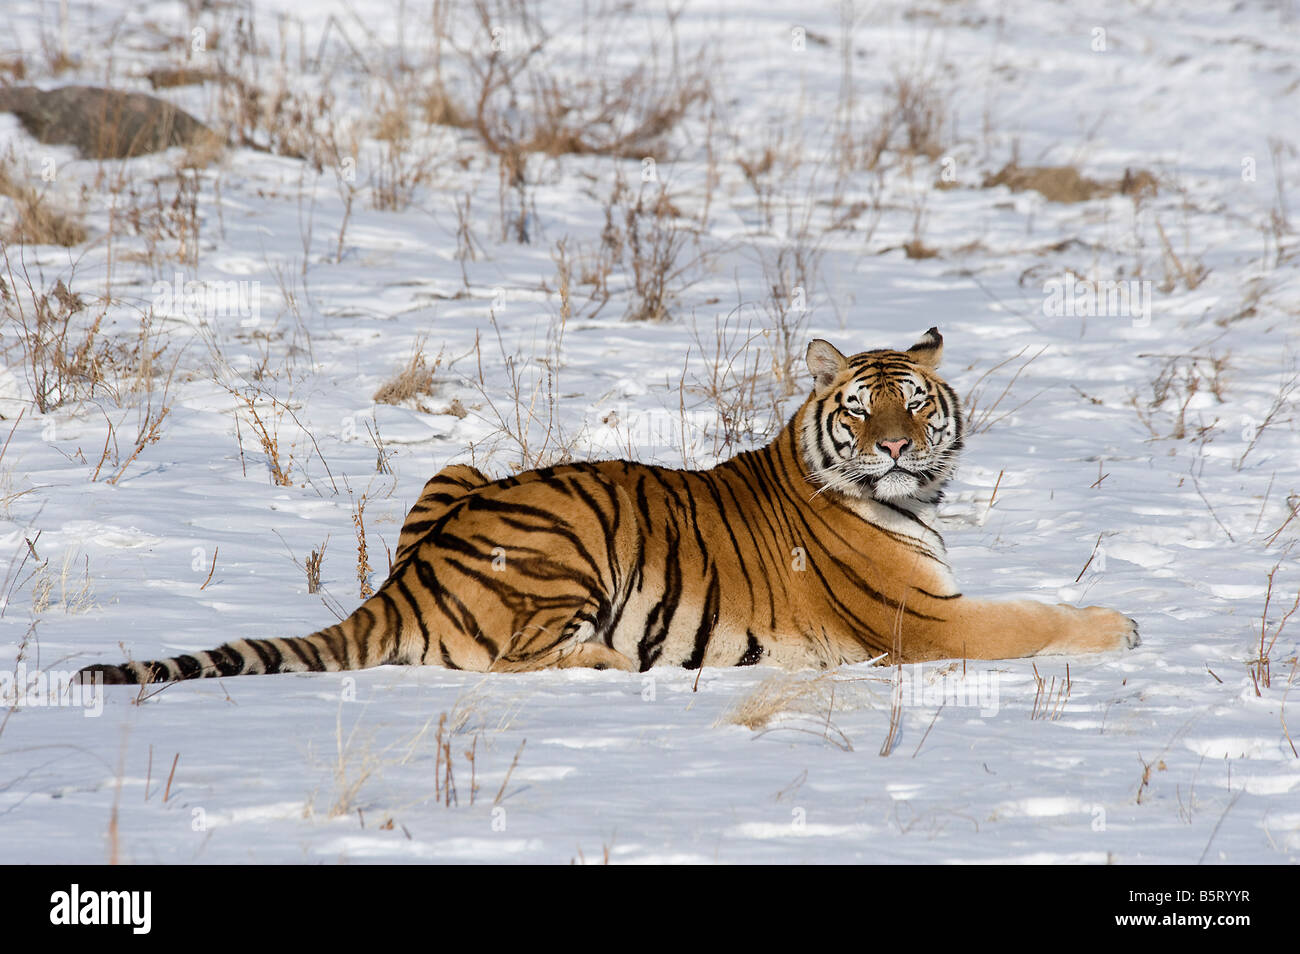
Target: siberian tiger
[{"x": 816, "y": 550}]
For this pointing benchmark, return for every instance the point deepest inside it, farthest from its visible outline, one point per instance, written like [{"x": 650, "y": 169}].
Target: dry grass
[
  {"x": 591, "y": 266},
  {"x": 1279, "y": 230},
  {"x": 1282, "y": 401},
  {"x": 525, "y": 411},
  {"x": 439, "y": 109},
  {"x": 653, "y": 241},
  {"x": 521, "y": 105},
  {"x": 913, "y": 118},
  {"x": 1050, "y": 697},
  {"x": 64, "y": 352},
  {"x": 169, "y": 77},
  {"x": 982, "y": 411},
  {"x": 803, "y": 702},
  {"x": 65, "y": 587},
  {"x": 916, "y": 115},
  {"x": 1055, "y": 183},
  {"x": 39, "y": 218},
  {"x": 261, "y": 111},
  {"x": 150, "y": 432},
  {"x": 455, "y": 737},
  {"x": 468, "y": 246},
  {"x": 363, "y": 553},
  {"x": 402, "y": 169},
  {"x": 24, "y": 644},
  {"x": 1281, "y": 709},
  {"x": 733, "y": 385},
  {"x": 313, "y": 567},
  {"x": 62, "y": 355},
  {"x": 1181, "y": 377},
  {"x": 412, "y": 383},
  {"x": 267, "y": 432},
  {"x": 1157, "y": 764},
  {"x": 789, "y": 280},
  {"x": 163, "y": 212},
  {"x": 1183, "y": 269},
  {"x": 586, "y": 268},
  {"x": 1293, "y": 510},
  {"x": 1260, "y": 667},
  {"x": 8, "y": 475},
  {"x": 770, "y": 158},
  {"x": 1068, "y": 184},
  {"x": 758, "y": 174},
  {"x": 355, "y": 762}
]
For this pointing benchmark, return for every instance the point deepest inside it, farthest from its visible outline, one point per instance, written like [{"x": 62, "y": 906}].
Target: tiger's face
[{"x": 882, "y": 424}]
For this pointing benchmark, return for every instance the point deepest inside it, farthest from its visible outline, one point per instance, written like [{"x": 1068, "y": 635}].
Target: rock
[{"x": 104, "y": 123}]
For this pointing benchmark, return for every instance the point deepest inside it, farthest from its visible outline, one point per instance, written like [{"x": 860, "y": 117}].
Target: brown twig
[
  {"x": 996, "y": 484},
  {"x": 927, "y": 731},
  {"x": 149, "y": 436},
  {"x": 1091, "y": 556},
  {"x": 104, "y": 456},
  {"x": 170, "y": 775},
  {"x": 505, "y": 781},
  {"x": 215, "y": 551},
  {"x": 17, "y": 421}
]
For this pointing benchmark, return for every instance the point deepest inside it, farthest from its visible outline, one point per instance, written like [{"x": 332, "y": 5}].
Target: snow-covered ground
[{"x": 1148, "y": 461}]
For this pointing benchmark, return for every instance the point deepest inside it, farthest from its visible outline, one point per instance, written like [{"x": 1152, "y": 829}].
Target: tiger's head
[{"x": 881, "y": 424}]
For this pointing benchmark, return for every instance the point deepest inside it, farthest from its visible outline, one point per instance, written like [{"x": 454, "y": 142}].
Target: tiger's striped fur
[{"x": 816, "y": 550}]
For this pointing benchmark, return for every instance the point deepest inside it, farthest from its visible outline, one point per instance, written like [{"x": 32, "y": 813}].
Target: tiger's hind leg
[
  {"x": 576, "y": 656},
  {"x": 525, "y": 575},
  {"x": 443, "y": 489},
  {"x": 595, "y": 656}
]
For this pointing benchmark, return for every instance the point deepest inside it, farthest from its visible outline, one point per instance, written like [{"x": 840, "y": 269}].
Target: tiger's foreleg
[{"x": 980, "y": 629}]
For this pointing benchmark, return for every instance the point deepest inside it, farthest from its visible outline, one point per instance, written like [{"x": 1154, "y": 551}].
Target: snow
[{"x": 1170, "y": 753}]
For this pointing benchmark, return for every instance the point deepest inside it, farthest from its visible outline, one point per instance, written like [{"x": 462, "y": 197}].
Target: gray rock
[{"x": 103, "y": 123}]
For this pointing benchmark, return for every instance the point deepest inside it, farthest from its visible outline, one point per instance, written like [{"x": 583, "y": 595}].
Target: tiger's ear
[
  {"x": 928, "y": 350},
  {"x": 825, "y": 362}
]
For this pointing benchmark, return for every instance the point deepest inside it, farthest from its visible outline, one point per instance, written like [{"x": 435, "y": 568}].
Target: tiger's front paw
[{"x": 1095, "y": 629}]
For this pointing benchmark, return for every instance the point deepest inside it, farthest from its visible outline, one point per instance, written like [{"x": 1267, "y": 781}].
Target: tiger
[{"x": 814, "y": 551}]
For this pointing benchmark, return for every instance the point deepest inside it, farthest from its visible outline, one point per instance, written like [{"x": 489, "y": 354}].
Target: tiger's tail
[{"x": 369, "y": 637}]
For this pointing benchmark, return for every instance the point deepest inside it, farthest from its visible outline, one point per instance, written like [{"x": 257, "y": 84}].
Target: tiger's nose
[{"x": 895, "y": 447}]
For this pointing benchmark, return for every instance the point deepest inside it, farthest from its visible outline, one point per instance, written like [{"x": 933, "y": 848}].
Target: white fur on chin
[{"x": 896, "y": 485}]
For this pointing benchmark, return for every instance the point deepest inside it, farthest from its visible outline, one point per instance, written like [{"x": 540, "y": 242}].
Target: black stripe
[
  {"x": 299, "y": 649},
  {"x": 187, "y": 666},
  {"x": 255, "y": 645},
  {"x": 227, "y": 660},
  {"x": 708, "y": 620},
  {"x": 417, "y": 613}
]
